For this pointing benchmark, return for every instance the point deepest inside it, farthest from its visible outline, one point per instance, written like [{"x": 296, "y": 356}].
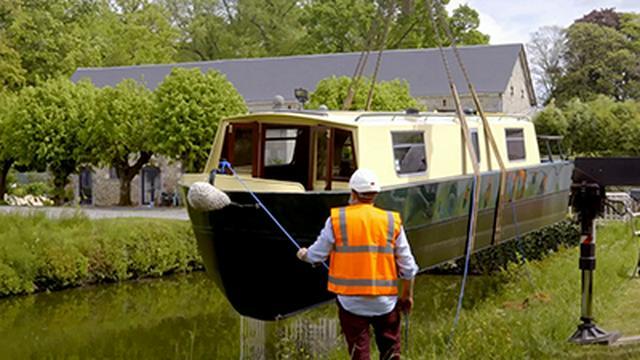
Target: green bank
[{"x": 38, "y": 253}]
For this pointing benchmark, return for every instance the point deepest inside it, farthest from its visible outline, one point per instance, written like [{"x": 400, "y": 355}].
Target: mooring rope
[{"x": 227, "y": 165}]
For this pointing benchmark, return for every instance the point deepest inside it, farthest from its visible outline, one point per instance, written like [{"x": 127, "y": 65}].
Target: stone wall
[
  {"x": 106, "y": 185},
  {"x": 517, "y": 96}
]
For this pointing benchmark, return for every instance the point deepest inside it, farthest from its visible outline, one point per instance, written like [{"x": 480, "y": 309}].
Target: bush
[
  {"x": 388, "y": 95},
  {"x": 37, "y": 253},
  {"x": 535, "y": 245},
  {"x": 35, "y": 188}
]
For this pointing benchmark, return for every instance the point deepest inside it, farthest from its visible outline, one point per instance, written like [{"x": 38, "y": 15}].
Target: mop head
[{"x": 203, "y": 196}]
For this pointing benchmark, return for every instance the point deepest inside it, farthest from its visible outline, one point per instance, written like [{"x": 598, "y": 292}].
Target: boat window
[
  {"x": 238, "y": 147},
  {"x": 475, "y": 142},
  {"x": 515, "y": 144},
  {"x": 286, "y": 154},
  {"x": 279, "y": 146},
  {"x": 344, "y": 161},
  {"x": 409, "y": 152}
]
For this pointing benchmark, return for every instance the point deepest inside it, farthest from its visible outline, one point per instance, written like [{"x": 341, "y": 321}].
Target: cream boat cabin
[
  {"x": 299, "y": 164},
  {"x": 306, "y": 151}
]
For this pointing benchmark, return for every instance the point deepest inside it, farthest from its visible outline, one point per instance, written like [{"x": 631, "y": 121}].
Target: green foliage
[
  {"x": 337, "y": 25},
  {"x": 388, "y": 95},
  {"x": 344, "y": 25},
  {"x": 122, "y": 125},
  {"x": 46, "y": 124},
  {"x": 12, "y": 75},
  {"x": 74, "y": 251},
  {"x": 189, "y": 105},
  {"x": 532, "y": 246},
  {"x": 551, "y": 121},
  {"x": 600, "y": 60},
  {"x": 35, "y": 188}
]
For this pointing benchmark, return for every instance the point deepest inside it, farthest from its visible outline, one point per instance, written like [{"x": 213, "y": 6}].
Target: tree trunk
[
  {"x": 4, "y": 172},
  {"x": 125, "y": 191},
  {"x": 126, "y": 173},
  {"x": 60, "y": 181}
]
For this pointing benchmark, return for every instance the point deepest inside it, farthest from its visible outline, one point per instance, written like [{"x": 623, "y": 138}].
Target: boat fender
[{"x": 203, "y": 196}]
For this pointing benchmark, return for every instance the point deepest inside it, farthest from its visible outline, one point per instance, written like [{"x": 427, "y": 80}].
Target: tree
[
  {"x": 551, "y": 121},
  {"x": 12, "y": 75},
  {"x": 344, "y": 25},
  {"x": 136, "y": 32},
  {"x": 599, "y": 60},
  {"x": 464, "y": 23},
  {"x": 337, "y": 25},
  {"x": 546, "y": 49},
  {"x": 189, "y": 105},
  {"x": 38, "y": 30},
  {"x": 7, "y": 157},
  {"x": 388, "y": 95},
  {"x": 46, "y": 124},
  {"x": 603, "y": 17},
  {"x": 123, "y": 133},
  {"x": 204, "y": 33}
]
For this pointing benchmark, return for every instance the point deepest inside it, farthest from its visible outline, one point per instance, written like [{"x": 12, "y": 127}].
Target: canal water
[{"x": 179, "y": 317}]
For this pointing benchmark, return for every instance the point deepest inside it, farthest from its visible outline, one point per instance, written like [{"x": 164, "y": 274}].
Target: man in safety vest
[{"x": 368, "y": 252}]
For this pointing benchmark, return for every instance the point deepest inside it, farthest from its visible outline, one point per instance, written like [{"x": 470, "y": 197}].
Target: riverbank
[{"x": 38, "y": 253}]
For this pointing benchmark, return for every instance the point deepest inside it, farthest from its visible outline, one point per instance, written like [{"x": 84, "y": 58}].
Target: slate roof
[{"x": 260, "y": 79}]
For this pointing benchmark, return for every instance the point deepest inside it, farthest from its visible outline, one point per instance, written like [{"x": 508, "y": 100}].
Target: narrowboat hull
[{"x": 256, "y": 268}]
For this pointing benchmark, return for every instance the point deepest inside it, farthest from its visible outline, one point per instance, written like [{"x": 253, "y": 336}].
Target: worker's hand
[
  {"x": 302, "y": 254},
  {"x": 405, "y": 304}
]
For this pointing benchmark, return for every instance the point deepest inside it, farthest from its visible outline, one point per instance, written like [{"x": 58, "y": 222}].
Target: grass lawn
[
  {"x": 529, "y": 311},
  {"x": 511, "y": 315}
]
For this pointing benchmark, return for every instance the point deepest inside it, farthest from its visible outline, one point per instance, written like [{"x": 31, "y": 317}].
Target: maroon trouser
[{"x": 356, "y": 330}]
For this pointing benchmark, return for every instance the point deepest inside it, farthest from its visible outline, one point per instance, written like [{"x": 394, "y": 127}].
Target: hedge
[{"x": 38, "y": 253}]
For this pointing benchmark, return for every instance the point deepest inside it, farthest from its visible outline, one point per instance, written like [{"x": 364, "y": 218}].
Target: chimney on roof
[{"x": 278, "y": 102}]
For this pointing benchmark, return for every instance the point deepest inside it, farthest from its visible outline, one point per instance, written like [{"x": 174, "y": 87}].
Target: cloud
[{"x": 513, "y": 21}]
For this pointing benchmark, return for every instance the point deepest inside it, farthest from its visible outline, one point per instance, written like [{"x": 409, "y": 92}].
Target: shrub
[
  {"x": 37, "y": 253},
  {"x": 388, "y": 95},
  {"x": 535, "y": 245}
]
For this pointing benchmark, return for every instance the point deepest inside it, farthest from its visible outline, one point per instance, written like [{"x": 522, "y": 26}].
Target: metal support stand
[{"x": 588, "y": 202}]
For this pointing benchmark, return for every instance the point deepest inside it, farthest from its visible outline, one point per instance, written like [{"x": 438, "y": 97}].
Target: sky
[{"x": 512, "y": 21}]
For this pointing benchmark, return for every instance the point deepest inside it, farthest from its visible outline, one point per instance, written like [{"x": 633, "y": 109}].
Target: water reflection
[{"x": 183, "y": 317}]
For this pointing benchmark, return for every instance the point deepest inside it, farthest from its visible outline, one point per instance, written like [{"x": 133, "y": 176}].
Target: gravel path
[{"x": 102, "y": 213}]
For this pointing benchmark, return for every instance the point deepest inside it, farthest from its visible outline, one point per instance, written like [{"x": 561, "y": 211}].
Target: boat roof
[{"x": 365, "y": 118}]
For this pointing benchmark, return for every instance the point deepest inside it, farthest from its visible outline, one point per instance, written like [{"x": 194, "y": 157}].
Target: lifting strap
[
  {"x": 489, "y": 138},
  {"x": 360, "y": 66},
  {"x": 382, "y": 44}
]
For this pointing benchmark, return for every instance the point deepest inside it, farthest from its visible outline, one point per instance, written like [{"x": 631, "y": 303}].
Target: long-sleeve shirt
[{"x": 365, "y": 305}]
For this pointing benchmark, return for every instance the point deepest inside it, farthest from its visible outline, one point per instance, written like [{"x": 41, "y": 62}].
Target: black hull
[{"x": 255, "y": 266}]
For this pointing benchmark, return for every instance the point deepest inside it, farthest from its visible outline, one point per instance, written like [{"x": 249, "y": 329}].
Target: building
[{"x": 500, "y": 74}]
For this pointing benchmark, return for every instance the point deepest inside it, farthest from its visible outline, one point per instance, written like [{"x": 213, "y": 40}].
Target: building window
[
  {"x": 522, "y": 93},
  {"x": 515, "y": 144},
  {"x": 511, "y": 90},
  {"x": 444, "y": 103},
  {"x": 475, "y": 142},
  {"x": 409, "y": 152}
]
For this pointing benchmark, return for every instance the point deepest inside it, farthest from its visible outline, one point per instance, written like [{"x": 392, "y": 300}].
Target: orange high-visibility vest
[{"x": 362, "y": 260}]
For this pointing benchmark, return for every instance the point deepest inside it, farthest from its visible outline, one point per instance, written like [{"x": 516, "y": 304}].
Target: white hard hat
[{"x": 364, "y": 181}]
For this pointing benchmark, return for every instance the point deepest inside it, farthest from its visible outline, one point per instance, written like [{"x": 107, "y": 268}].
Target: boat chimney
[{"x": 278, "y": 102}]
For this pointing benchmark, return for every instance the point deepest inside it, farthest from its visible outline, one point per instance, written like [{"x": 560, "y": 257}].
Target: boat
[{"x": 298, "y": 164}]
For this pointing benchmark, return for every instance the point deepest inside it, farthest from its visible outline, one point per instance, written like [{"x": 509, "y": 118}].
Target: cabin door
[{"x": 335, "y": 157}]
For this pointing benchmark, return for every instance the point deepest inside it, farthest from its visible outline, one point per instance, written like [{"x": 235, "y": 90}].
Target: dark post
[{"x": 587, "y": 200}]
